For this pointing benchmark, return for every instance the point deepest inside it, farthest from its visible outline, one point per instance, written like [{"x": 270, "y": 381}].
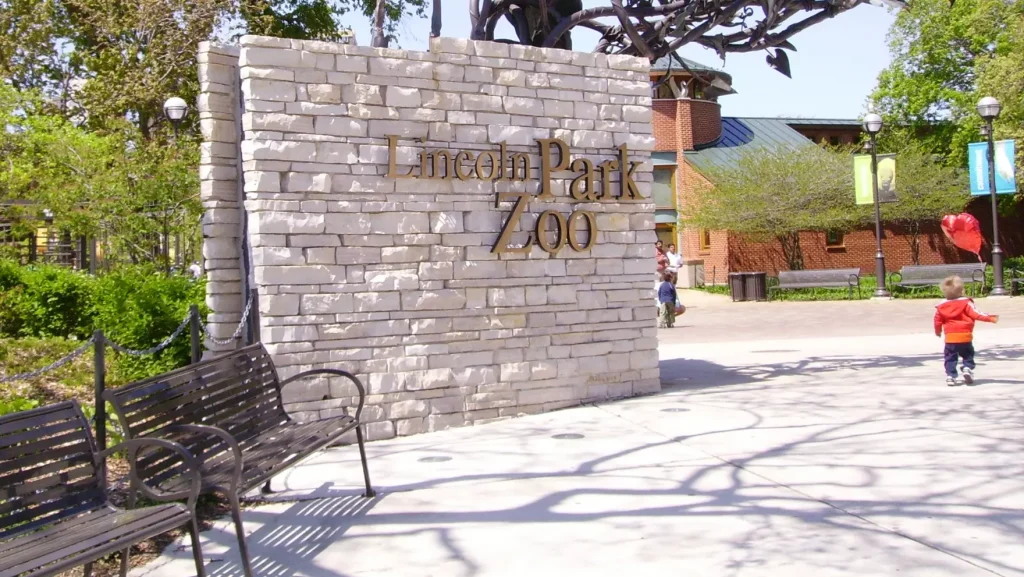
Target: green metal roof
[
  {"x": 740, "y": 135},
  {"x": 822, "y": 121}
]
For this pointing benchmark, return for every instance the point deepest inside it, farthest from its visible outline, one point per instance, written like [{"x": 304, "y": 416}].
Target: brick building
[{"x": 691, "y": 135}]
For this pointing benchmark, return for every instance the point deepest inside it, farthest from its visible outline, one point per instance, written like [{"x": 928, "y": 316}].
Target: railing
[{"x": 99, "y": 343}]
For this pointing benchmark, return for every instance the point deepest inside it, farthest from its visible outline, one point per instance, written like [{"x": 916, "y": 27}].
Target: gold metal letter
[
  {"x": 495, "y": 166},
  {"x": 464, "y": 156},
  {"x": 393, "y": 162},
  {"x": 447, "y": 174},
  {"x": 520, "y": 159},
  {"x": 627, "y": 188},
  {"x": 606, "y": 178},
  {"x": 545, "y": 163},
  {"x": 542, "y": 231},
  {"x": 501, "y": 246},
  {"x": 582, "y": 187},
  {"x": 574, "y": 219}
]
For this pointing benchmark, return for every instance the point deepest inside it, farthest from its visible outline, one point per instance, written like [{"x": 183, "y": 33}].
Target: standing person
[
  {"x": 659, "y": 256},
  {"x": 955, "y": 316},
  {"x": 666, "y": 302},
  {"x": 675, "y": 261}
]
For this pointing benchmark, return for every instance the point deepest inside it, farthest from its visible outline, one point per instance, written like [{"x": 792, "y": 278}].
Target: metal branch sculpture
[{"x": 649, "y": 29}]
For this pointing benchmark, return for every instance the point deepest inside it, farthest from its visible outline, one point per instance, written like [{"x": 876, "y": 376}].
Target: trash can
[
  {"x": 737, "y": 286},
  {"x": 755, "y": 286}
]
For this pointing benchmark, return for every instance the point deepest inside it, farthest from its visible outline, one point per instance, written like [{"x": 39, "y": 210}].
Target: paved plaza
[{"x": 790, "y": 439}]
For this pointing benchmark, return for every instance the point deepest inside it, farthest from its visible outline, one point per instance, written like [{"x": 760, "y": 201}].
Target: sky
[{"x": 834, "y": 68}]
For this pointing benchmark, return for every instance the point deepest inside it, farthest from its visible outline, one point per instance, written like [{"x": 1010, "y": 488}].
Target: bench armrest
[
  {"x": 335, "y": 373},
  {"x": 224, "y": 437},
  {"x": 854, "y": 280},
  {"x": 890, "y": 280},
  {"x": 132, "y": 447}
]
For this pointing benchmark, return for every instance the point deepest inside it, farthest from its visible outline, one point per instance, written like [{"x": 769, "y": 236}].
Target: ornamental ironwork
[{"x": 656, "y": 29}]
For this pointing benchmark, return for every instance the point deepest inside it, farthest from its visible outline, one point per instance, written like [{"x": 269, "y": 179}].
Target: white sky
[{"x": 834, "y": 69}]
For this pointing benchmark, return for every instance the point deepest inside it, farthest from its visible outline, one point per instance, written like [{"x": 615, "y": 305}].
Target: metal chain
[
  {"x": 238, "y": 329},
  {"x": 52, "y": 366},
  {"x": 166, "y": 342}
]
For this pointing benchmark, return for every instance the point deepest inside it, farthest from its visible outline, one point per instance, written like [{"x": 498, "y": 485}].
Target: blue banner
[{"x": 977, "y": 160}]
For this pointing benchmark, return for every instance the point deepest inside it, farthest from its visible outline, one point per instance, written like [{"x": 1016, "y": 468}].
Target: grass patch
[{"x": 867, "y": 287}]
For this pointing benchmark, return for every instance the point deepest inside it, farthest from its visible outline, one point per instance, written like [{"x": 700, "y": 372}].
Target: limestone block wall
[
  {"x": 218, "y": 107},
  {"x": 394, "y": 278}
]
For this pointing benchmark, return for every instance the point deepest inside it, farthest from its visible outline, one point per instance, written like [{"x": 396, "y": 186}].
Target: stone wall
[
  {"x": 218, "y": 107},
  {"x": 394, "y": 279}
]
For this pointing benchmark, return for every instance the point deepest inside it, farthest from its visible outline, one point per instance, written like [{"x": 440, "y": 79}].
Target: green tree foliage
[
  {"x": 943, "y": 53},
  {"x": 926, "y": 190},
  {"x": 116, "y": 184},
  {"x": 1002, "y": 76},
  {"x": 775, "y": 194}
]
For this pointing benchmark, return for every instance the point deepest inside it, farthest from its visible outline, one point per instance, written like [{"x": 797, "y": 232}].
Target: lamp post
[
  {"x": 988, "y": 109},
  {"x": 175, "y": 109},
  {"x": 872, "y": 125}
]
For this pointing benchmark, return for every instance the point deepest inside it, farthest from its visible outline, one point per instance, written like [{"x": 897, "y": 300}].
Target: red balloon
[{"x": 964, "y": 230}]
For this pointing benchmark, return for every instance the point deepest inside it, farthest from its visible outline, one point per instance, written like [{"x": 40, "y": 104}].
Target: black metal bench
[
  {"x": 54, "y": 511},
  {"x": 1016, "y": 280},
  {"x": 848, "y": 278},
  {"x": 229, "y": 413},
  {"x": 915, "y": 276}
]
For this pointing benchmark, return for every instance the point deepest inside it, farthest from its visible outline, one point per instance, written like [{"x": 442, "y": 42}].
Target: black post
[
  {"x": 880, "y": 289},
  {"x": 82, "y": 256},
  {"x": 92, "y": 255},
  {"x": 100, "y": 376},
  {"x": 253, "y": 322},
  {"x": 997, "y": 253},
  {"x": 193, "y": 321}
]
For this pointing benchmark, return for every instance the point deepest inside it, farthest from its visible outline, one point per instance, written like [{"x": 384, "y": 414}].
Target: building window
[
  {"x": 663, "y": 189},
  {"x": 834, "y": 141},
  {"x": 834, "y": 239},
  {"x": 666, "y": 234},
  {"x": 705, "y": 239}
]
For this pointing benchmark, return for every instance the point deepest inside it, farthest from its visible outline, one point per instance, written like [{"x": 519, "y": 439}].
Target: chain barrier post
[
  {"x": 196, "y": 330},
  {"x": 100, "y": 375},
  {"x": 254, "y": 317}
]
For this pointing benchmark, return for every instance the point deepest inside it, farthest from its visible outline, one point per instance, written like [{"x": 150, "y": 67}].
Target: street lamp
[
  {"x": 988, "y": 109},
  {"x": 872, "y": 125},
  {"x": 175, "y": 109}
]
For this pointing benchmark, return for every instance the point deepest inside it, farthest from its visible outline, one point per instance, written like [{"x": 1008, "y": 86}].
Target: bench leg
[
  {"x": 87, "y": 571},
  {"x": 366, "y": 470},
  {"x": 243, "y": 549},
  {"x": 197, "y": 549},
  {"x": 130, "y": 504}
]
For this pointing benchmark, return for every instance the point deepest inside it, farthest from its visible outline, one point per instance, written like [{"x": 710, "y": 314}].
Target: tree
[
  {"x": 939, "y": 49},
  {"x": 136, "y": 193},
  {"x": 777, "y": 193},
  {"x": 926, "y": 190},
  {"x": 1002, "y": 76}
]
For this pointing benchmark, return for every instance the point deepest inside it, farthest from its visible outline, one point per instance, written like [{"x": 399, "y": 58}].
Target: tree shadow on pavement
[{"x": 701, "y": 374}]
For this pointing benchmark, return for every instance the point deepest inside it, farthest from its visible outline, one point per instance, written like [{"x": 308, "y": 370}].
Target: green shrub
[
  {"x": 138, "y": 308},
  {"x": 45, "y": 301},
  {"x": 17, "y": 404}
]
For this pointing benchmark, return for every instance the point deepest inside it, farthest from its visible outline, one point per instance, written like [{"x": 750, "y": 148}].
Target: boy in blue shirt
[{"x": 666, "y": 302}]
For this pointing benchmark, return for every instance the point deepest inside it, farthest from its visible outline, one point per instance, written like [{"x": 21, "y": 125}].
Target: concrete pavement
[{"x": 820, "y": 450}]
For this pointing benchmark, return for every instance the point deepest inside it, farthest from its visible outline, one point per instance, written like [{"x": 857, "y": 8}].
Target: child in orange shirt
[{"x": 955, "y": 316}]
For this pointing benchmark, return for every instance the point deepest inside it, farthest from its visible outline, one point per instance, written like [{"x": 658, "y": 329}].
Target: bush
[
  {"x": 138, "y": 308},
  {"x": 45, "y": 301}
]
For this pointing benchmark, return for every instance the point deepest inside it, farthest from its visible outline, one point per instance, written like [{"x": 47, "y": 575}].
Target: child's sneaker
[
  {"x": 968, "y": 375},
  {"x": 950, "y": 381}
]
